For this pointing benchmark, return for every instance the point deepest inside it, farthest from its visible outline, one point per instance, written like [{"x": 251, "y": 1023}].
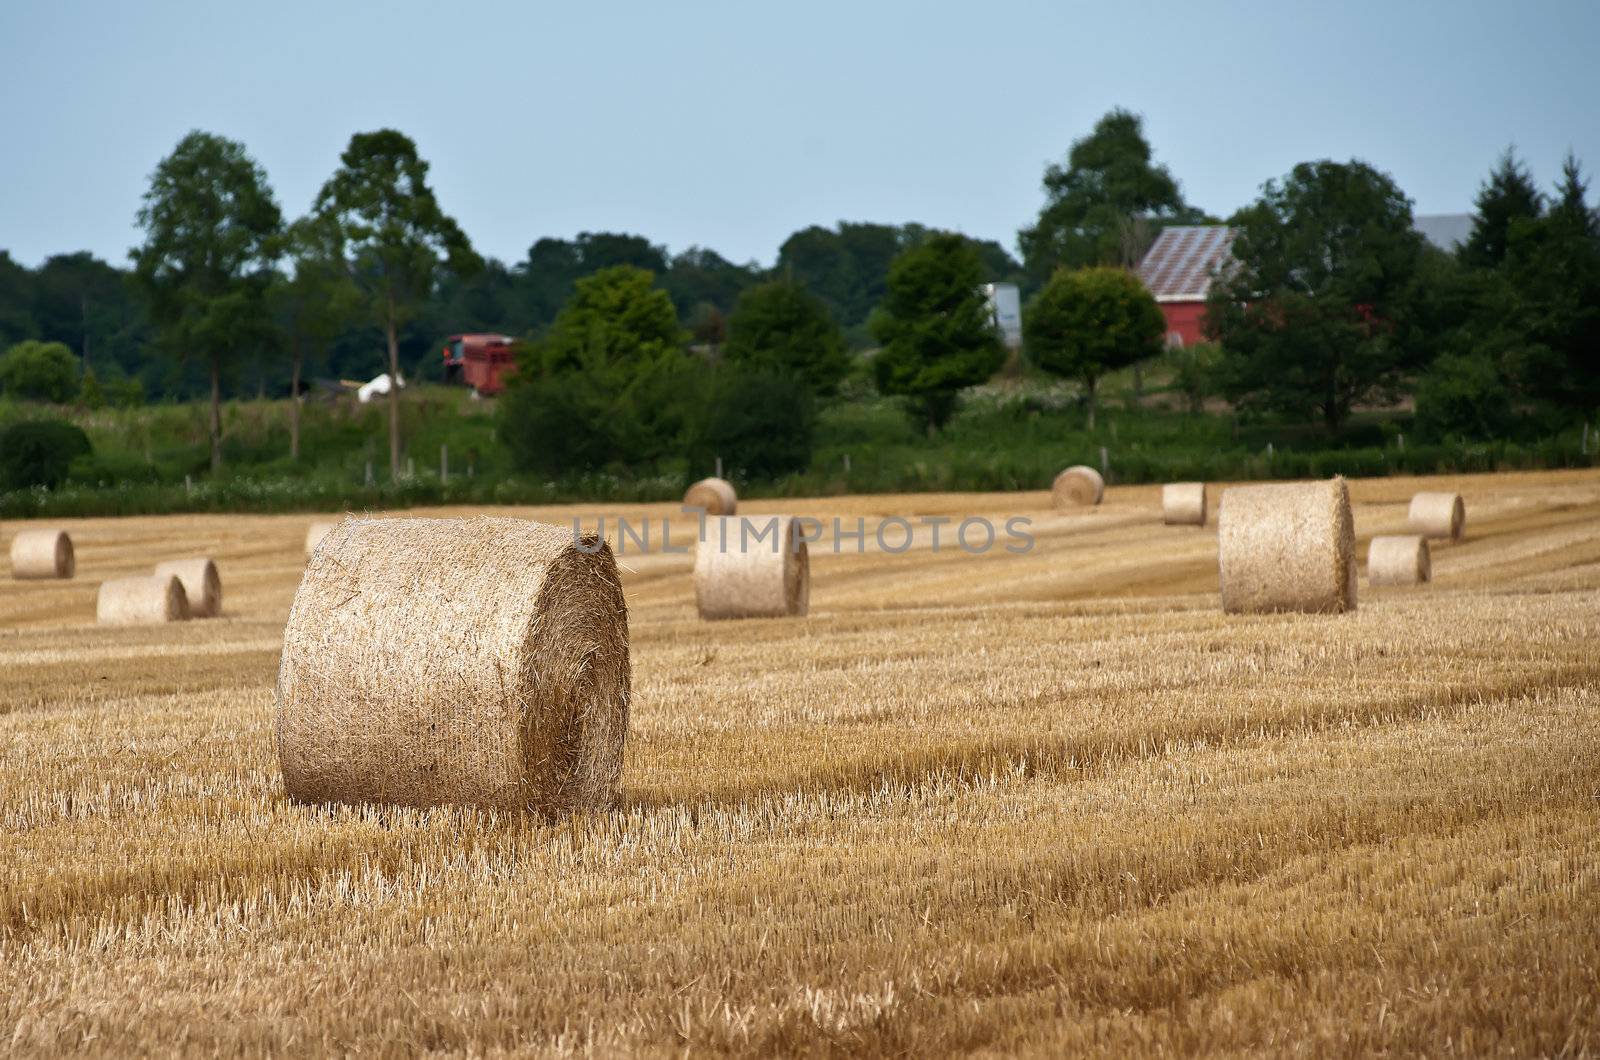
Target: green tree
[
  {"x": 1322, "y": 309},
  {"x": 393, "y": 239},
  {"x": 1106, "y": 205},
  {"x": 1087, "y": 322},
  {"x": 211, "y": 234},
  {"x": 311, "y": 304},
  {"x": 1508, "y": 196},
  {"x": 934, "y": 328},
  {"x": 610, "y": 383},
  {"x": 39, "y": 371},
  {"x": 784, "y": 328},
  {"x": 1550, "y": 303}
]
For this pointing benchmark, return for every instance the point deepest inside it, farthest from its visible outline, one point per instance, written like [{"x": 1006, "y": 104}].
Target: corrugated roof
[{"x": 1179, "y": 264}]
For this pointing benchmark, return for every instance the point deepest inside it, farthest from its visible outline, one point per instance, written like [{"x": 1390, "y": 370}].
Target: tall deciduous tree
[
  {"x": 312, "y": 303},
  {"x": 1508, "y": 196},
  {"x": 1087, "y": 322},
  {"x": 1322, "y": 309},
  {"x": 212, "y": 232},
  {"x": 783, "y": 327},
  {"x": 1106, "y": 205},
  {"x": 393, "y": 239},
  {"x": 936, "y": 333}
]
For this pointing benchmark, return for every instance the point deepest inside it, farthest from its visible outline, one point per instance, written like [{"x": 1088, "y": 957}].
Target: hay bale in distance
[
  {"x": 42, "y": 553},
  {"x": 744, "y": 569},
  {"x": 1287, "y": 547},
  {"x": 141, "y": 601},
  {"x": 1438, "y": 515},
  {"x": 1077, "y": 487},
  {"x": 314, "y": 535},
  {"x": 200, "y": 584},
  {"x": 1183, "y": 504},
  {"x": 715, "y": 495},
  {"x": 1399, "y": 559},
  {"x": 477, "y": 661}
]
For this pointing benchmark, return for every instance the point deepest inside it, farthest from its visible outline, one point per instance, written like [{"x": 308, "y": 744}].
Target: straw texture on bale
[
  {"x": 1400, "y": 559},
  {"x": 1287, "y": 547},
  {"x": 715, "y": 495},
  {"x": 200, "y": 584},
  {"x": 314, "y": 535},
  {"x": 1438, "y": 515},
  {"x": 1183, "y": 504},
  {"x": 477, "y": 661},
  {"x": 746, "y": 568},
  {"x": 1077, "y": 487},
  {"x": 141, "y": 601},
  {"x": 42, "y": 554}
]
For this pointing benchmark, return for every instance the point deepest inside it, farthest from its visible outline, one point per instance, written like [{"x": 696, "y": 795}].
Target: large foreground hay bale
[
  {"x": 752, "y": 567},
  {"x": 1077, "y": 487},
  {"x": 1398, "y": 559},
  {"x": 141, "y": 601},
  {"x": 715, "y": 495},
  {"x": 200, "y": 584},
  {"x": 1287, "y": 547},
  {"x": 314, "y": 535},
  {"x": 1438, "y": 515},
  {"x": 476, "y": 661},
  {"x": 42, "y": 553},
  {"x": 1183, "y": 504}
]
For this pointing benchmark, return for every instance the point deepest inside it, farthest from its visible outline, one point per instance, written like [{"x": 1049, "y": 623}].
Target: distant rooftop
[
  {"x": 1444, "y": 230},
  {"x": 1179, "y": 265}
]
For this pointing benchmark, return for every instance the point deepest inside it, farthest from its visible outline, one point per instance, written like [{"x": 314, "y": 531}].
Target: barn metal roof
[{"x": 1179, "y": 265}]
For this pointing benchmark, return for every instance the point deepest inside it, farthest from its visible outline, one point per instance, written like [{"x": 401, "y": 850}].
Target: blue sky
[{"x": 731, "y": 125}]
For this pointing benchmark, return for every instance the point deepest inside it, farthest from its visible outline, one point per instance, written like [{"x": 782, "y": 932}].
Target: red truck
[{"x": 483, "y": 362}]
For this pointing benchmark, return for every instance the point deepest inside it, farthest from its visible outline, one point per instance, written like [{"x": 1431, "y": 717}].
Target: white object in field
[
  {"x": 376, "y": 388},
  {"x": 1005, "y": 308}
]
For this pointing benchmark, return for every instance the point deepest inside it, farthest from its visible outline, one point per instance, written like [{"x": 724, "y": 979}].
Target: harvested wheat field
[{"x": 999, "y": 803}]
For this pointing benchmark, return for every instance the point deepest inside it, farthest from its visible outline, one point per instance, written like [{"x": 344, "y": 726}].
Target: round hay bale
[
  {"x": 715, "y": 495},
  {"x": 200, "y": 584},
  {"x": 1183, "y": 504},
  {"x": 42, "y": 553},
  {"x": 1399, "y": 559},
  {"x": 752, "y": 567},
  {"x": 477, "y": 661},
  {"x": 141, "y": 601},
  {"x": 1438, "y": 515},
  {"x": 1287, "y": 547},
  {"x": 314, "y": 535},
  {"x": 1077, "y": 487}
]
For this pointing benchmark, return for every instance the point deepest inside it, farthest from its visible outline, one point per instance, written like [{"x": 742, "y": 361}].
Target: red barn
[{"x": 1178, "y": 268}]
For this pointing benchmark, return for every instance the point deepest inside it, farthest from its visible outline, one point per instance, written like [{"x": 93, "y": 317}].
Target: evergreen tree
[
  {"x": 1506, "y": 197},
  {"x": 935, "y": 329}
]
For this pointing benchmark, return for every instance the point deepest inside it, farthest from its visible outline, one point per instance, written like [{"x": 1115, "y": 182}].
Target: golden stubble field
[{"x": 995, "y": 804}]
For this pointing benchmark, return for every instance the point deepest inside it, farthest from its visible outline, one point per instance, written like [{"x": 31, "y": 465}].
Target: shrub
[
  {"x": 39, "y": 371},
  {"x": 39, "y": 453},
  {"x": 1463, "y": 396},
  {"x": 761, "y": 422}
]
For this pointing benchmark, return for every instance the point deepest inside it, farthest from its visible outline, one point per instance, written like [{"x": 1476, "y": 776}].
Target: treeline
[
  {"x": 636, "y": 362},
  {"x": 94, "y": 309}
]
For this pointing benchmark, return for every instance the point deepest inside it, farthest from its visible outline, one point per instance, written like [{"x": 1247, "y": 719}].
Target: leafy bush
[
  {"x": 39, "y": 453},
  {"x": 1463, "y": 396},
  {"x": 762, "y": 423},
  {"x": 39, "y": 371}
]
